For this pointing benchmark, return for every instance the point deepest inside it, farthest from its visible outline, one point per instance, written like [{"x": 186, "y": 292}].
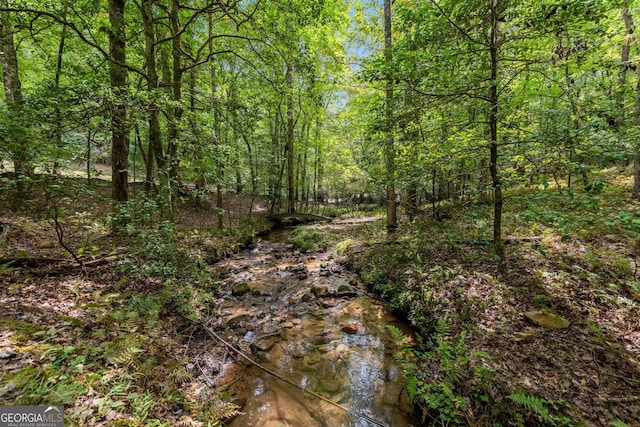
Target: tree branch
[
  {"x": 78, "y": 31},
  {"x": 456, "y": 26}
]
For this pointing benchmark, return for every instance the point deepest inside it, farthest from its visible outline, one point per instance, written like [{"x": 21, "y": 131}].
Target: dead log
[
  {"x": 286, "y": 220},
  {"x": 67, "y": 264},
  {"x": 32, "y": 262}
]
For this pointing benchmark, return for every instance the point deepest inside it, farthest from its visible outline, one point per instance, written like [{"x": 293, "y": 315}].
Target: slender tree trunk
[
  {"x": 196, "y": 145},
  {"x": 433, "y": 191},
  {"x": 12, "y": 84},
  {"x": 176, "y": 88},
  {"x": 282, "y": 164},
  {"x": 239, "y": 184},
  {"x": 273, "y": 178},
  {"x": 252, "y": 164},
  {"x": 89, "y": 138},
  {"x": 217, "y": 135},
  {"x": 625, "y": 65},
  {"x": 13, "y": 93},
  {"x": 573, "y": 121},
  {"x": 155, "y": 152},
  {"x": 392, "y": 220},
  {"x": 412, "y": 200},
  {"x": 304, "y": 181},
  {"x": 57, "y": 132},
  {"x": 162, "y": 154},
  {"x": 494, "y": 47},
  {"x": 235, "y": 125},
  {"x": 291, "y": 208},
  {"x": 624, "y": 60},
  {"x": 317, "y": 164},
  {"x": 621, "y": 87},
  {"x": 636, "y": 121},
  {"x": 118, "y": 77}
]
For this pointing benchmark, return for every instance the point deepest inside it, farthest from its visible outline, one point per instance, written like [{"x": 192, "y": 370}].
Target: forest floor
[{"x": 118, "y": 340}]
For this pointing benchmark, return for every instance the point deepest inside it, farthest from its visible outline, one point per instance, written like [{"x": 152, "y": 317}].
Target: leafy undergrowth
[
  {"x": 117, "y": 341},
  {"x": 306, "y": 239},
  {"x": 477, "y": 360}
]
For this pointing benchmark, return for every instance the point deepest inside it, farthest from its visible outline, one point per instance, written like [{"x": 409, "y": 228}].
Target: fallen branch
[
  {"x": 63, "y": 264},
  {"x": 273, "y": 374},
  {"x": 507, "y": 241},
  {"x": 297, "y": 218},
  {"x": 619, "y": 399},
  {"x": 32, "y": 262}
]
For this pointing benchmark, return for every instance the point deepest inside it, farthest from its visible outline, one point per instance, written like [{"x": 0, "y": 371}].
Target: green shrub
[{"x": 306, "y": 239}]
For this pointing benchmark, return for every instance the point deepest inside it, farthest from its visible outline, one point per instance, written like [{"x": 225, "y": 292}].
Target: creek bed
[{"x": 305, "y": 318}]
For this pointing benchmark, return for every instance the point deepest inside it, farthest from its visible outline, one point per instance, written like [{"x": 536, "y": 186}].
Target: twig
[
  {"x": 620, "y": 399},
  {"x": 208, "y": 380}
]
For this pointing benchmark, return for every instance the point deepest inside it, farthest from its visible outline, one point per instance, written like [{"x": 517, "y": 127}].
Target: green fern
[
  {"x": 181, "y": 375},
  {"x": 142, "y": 404},
  {"x": 532, "y": 403},
  {"x": 127, "y": 357},
  {"x": 224, "y": 410},
  {"x": 6, "y": 268},
  {"x": 453, "y": 357},
  {"x": 398, "y": 336},
  {"x": 145, "y": 305},
  {"x": 117, "y": 387},
  {"x": 442, "y": 328}
]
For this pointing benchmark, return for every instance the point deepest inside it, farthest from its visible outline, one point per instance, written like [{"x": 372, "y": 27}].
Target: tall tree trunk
[
  {"x": 162, "y": 154},
  {"x": 625, "y": 65},
  {"x": 494, "y": 48},
  {"x": 624, "y": 60},
  {"x": 389, "y": 152},
  {"x": 239, "y": 184},
  {"x": 252, "y": 164},
  {"x": 13, "y": 92},
  {"x": 433, "y": 192},
  {"x": 176, "y": 94},
  {"x": 196, "y": 143},
  {"x": 176, "y": 53},
  {"x": 217, "y": 135},
  {"x": 118, "y": 78},
  {"x": 291, "y": 207},
  {"x": 304, "y": 181},
  {"x": 88, "y": 165},
  {"x": 274, "y": 183},
  {"x": 636, "y": 121},
  {"x": 57, "y": 132},
  {"x": 317, "y": 164},
  {"x": 155, "y": 152},
  {"x": 235, "y": 125}
]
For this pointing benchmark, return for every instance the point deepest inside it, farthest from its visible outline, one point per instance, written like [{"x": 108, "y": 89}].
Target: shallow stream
[{"x": 310, "y": 321}]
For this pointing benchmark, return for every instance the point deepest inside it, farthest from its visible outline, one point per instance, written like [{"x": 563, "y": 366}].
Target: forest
[{"x": 321, "y": 212}]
